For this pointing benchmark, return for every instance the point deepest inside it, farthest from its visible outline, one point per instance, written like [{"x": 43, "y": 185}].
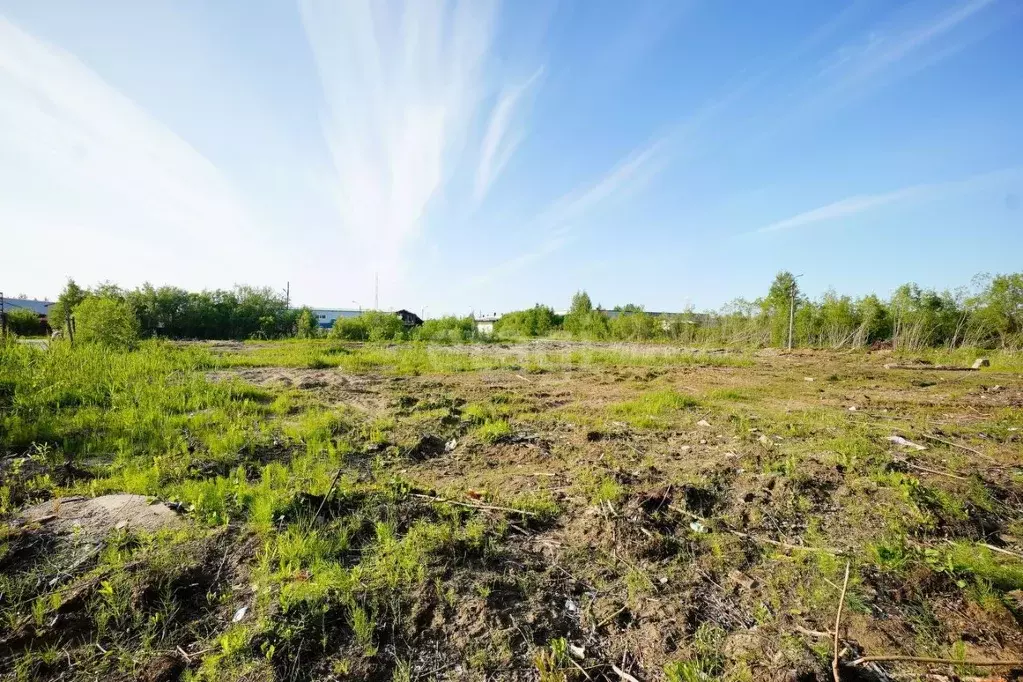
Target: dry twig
[
  {"x": 470, "y": 505},
  {"x": 838, "y": 622},
  {"x": 947, "y": 661},
  {"x": 622, "y": 674}
]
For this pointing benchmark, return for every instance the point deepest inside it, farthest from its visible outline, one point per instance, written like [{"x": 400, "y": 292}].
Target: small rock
[
  {"x": 577, "y": 651},
  {"x": 981, "y": 362},
  {"x": 450, "y": 445},
  {"x": 703, "y": 422},
  {"x": 808, "y": 378},
  {"x": 852, "y": 408},
  {"x": 764, "y": 440},
  {"x": 663, "y": 580},
  {"x": 703, "y": 441},
  {"x": 571, "y": 606},
  {"x": 120, "y": 525},
  {"x": 685, "y": 448}
]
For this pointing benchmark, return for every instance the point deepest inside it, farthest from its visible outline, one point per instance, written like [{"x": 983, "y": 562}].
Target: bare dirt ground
[{"x": 642, "y": 521}]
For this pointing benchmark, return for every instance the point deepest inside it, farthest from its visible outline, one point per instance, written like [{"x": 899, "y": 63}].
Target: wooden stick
[
  {"x": 1000, "y": 550},
  {"x": 489, "y": 507},
  {"x": 951, "y": 444},
  {"x": 948, "y": 661},
  {"x": 935, "y": 471},
  {"x": 838, "y": 622},
  {"x": 786, "y": 545},
  {"x": 810, "y": 633},
  {"x": 622, "y": 674},
  {"x": 585, "y": 674},
  {"x": 939, "y": 368}
]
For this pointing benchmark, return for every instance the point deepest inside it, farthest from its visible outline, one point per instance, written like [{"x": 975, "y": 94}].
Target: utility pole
[{"x": 287, "y": 295}]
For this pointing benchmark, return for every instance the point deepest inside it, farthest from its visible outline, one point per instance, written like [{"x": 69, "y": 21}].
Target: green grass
[{"x": 654, "y": 409}]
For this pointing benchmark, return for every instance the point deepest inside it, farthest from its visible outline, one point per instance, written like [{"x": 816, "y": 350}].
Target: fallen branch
[
  {"x": 945, "y": 661},
  {"x": 811, "y": 633},
  {"x": 941, "y": 368},
  {"x": 786, "y": 545},
  {"x": 935, "y": 471},
  {"x": 953, "y": 445},
  {"x": 838, "y": 622},
  {"x": 470, "y": 505},
  {"x": 1001, "y": 551}
]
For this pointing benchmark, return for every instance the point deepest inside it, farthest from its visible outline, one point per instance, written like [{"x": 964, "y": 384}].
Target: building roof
[{"x": 35, "y": 305}]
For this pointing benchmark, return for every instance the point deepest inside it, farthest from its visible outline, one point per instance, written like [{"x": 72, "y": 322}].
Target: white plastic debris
[
  {"x": 697, "y": 527},
  {"x": 571, "y": 606},
  {"x": 576, "y": 651},
  {"x": 450, "y": 445},
  {"x": 899, "y": 440},
  {"x": 239, "y": 614}
]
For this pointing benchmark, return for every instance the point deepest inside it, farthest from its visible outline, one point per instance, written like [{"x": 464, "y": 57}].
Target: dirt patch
[
  {"x": 360, "y": 390},
  {"x": 101, "y": 515}
]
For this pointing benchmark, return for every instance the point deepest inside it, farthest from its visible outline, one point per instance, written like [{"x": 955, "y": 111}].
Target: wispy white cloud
[
  {"x": 862, "y": 203},
  {"x": 88, "y": 173},
  {"x": 555, "y": 226},
  {"x": 889, "y": 52},
  {"x": 500, "y": 139},
  {"x": 845, "y": 208},
  {"x": 402, "y": 81}
]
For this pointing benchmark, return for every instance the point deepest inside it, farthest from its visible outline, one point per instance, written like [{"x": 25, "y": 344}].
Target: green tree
[
  {"x": 775, "y": 307},
  {"x": 1002, "y": 308},
  {"x": 107, "y": 321},
  {"x": 306, "y": 326},
  {"x": 577, "y": 321},
  {"x": 875, "y": 319},
  {"x": 68, "y": 300},
  {"x": 581, "y": 304}
]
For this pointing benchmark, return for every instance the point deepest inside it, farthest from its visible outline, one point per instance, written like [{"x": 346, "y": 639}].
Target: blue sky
[{"x": 484, "y": 156}]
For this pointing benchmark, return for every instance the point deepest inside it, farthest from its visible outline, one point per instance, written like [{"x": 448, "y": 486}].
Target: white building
[
  {"x": 485, "y": 323},
  {"x": 325, "y": 316}
]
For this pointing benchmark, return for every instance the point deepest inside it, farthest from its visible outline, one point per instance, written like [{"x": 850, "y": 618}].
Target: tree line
[
  {"x": 989, "y": 313},
  {"x": 120, "y": 317}
]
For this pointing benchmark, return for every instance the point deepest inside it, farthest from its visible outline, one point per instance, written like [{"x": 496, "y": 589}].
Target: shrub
[
  {"x": 449, "y": 329},
  {"x": 536, "y": 321},
  {"x": 24, "y": 322},
  {"x": 372, "y": 325},
  {"x": 306, "y": 326},
  {"x": 106, "y": 321}
]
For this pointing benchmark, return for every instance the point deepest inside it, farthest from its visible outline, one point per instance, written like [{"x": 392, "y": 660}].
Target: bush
[
  {"x": 306, "y": 326},
  {"x": 106, "y": 321},
  {"x": 536, "y": 321},
  {"x": 24, "y": 322},
  {"x": 372, "y": 325},
  {"x": 449, "y": 329}
]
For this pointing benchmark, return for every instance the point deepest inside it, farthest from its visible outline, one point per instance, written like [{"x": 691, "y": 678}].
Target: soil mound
[{"x": 101, "y": 515}]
